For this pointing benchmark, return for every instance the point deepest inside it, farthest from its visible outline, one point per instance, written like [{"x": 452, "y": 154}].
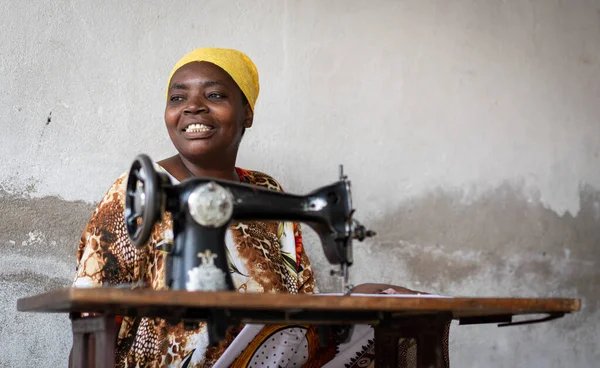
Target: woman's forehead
[{"x": 201, "y": 72}]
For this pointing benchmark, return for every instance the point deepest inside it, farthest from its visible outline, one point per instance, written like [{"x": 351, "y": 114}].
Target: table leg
[
  {"x": 79, "y": 351},
  {"x": 94, "y": 342},
  {"x": 430, "y": 353},
  {"x": 105, "y": 344},
  {"x": 429, "y": 332},
  {"x": 386, "y": 346}
]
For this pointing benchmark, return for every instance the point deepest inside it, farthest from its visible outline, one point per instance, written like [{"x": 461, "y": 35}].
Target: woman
[{"x": 211, "y": 95}]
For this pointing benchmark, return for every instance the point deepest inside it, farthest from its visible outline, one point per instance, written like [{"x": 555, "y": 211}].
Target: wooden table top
[{"x": 282, "y": 307}]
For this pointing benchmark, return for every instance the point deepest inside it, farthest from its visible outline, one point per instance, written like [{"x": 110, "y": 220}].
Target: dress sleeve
[{"x": 105, "y": 255}]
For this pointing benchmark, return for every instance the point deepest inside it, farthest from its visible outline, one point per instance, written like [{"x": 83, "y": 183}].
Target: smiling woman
[
  {"x": 211, "y": 96},
  {"x": 206, "y": 115},
  {"x": 208, "y": 111}
]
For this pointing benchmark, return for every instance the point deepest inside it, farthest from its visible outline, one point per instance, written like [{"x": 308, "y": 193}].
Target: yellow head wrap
[{"x": 239, "y": 66}]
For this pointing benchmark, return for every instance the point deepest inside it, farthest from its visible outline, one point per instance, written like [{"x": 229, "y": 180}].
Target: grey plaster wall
[{"x": 470, "y": 130}]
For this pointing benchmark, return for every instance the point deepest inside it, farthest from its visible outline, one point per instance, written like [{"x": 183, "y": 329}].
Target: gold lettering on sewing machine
[{"x": 207, "y": 257}]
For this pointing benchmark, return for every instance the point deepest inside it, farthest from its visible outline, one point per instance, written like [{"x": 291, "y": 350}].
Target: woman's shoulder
[
  {"x": 259, "y": 178},
  {"x": 117, "y": 189},
  {"x": 252, "y": 177},
  {"x": 120, "y": 183}
]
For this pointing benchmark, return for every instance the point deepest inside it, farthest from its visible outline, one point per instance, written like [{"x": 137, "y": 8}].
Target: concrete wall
[{"x": 470, "y": 130}]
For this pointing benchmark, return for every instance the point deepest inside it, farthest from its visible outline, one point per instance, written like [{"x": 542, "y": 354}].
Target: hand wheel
[{"x": 142, "y": 200}]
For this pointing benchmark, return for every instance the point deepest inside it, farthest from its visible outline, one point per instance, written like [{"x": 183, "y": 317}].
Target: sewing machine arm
[{"x": 328, "y": 210}]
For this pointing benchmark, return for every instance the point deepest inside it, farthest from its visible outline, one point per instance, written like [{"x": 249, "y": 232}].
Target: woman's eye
[
  {"x": 176, "y": 98},
  {"x": 216, "y": 95}
]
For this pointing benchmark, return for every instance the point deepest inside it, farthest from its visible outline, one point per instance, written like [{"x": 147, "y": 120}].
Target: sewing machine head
[{"x": 202, "y": 209}]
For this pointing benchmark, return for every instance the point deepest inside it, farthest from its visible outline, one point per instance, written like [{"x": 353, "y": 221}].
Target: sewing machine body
[
  {"x": 203, "y": 208},
  {"x": 325, "y": 210}
]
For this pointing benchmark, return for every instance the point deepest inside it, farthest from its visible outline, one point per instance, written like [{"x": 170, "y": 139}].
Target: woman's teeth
[{"x": 192, "y": 128}]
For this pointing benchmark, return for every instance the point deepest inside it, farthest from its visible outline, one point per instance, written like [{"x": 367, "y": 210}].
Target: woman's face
[{"x": 205, "y": 113}]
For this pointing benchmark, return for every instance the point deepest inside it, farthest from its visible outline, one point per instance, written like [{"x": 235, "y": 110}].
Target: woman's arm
[{"x": 370, "y": 288}]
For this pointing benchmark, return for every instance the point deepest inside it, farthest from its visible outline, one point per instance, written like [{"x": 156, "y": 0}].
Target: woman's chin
[
  {"x": 198, "y": 149},
  {"x": 200, "y": 155}
]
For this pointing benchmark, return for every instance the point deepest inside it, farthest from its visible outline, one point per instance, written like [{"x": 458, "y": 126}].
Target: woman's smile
[{"x": 198, "y": 131}]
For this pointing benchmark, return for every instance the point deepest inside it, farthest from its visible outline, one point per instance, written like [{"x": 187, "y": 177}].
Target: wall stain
[
  {"x": 49, "y": 118},
  {"x": 60, "y": 221},
  {"x": 28, "y": 278},
  {"x": 504, "y": 236}
]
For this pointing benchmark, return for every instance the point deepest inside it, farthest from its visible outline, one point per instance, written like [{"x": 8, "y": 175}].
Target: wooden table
[{"x": 421, "y": 317}]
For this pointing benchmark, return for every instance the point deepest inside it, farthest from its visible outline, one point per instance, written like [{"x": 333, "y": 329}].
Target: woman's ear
[{"x": 249, "y": 118}]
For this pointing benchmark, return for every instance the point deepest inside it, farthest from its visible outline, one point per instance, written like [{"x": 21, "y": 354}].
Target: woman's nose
[{"x": 195, "y": 105}]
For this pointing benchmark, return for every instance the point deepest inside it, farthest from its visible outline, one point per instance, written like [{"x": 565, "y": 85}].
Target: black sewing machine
[{"x": 203, "y": 208}]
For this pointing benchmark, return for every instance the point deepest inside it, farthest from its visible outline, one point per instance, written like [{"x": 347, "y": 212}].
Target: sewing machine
[{"x": 203, "y": 208}]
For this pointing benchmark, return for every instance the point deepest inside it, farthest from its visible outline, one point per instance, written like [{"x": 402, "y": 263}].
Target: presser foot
[{"x": 344, "y": 275}]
